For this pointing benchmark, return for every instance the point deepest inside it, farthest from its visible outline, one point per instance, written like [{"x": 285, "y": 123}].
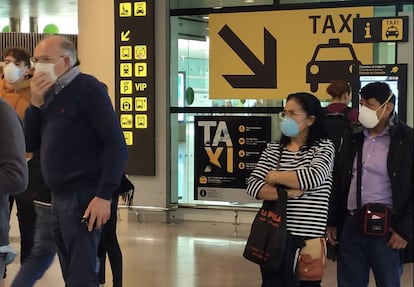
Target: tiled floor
[{"x": 190, "y": 254}]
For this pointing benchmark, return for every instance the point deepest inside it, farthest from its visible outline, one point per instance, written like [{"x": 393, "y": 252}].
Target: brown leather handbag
[{"x": 312, "y": 260}]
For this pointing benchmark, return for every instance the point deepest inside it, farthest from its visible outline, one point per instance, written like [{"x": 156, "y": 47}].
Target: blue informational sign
[{"x": 395, "y": 75}]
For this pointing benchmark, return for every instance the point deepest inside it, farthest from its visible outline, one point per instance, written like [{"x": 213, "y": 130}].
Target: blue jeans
[
  {"x": 42, "y": 253},
  {"x": 357, "y": 254},
  {"x": 77, "y": 247}
]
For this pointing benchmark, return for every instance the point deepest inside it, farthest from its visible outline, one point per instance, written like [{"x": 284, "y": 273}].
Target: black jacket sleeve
[{"x": 13, "y": 165}]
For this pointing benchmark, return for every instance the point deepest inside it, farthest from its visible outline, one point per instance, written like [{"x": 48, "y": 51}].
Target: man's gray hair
[{"x": 68, "y": 47}]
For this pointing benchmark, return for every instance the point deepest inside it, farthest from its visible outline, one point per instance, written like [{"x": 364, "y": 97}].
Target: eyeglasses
[
  {"x": 289, "y": 114},
  {"x": 45, "y": 60}
]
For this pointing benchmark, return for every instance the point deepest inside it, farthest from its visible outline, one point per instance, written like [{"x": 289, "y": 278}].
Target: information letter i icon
[{"x": 367, "y": 30}]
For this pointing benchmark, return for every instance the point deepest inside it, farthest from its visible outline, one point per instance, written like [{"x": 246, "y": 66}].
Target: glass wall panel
[
  {"x": 189, "y": 95},
  {"x": 216, "y": 4},
  {"x": 408, "y": 7}
]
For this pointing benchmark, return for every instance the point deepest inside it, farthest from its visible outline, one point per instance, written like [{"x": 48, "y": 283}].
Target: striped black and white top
[{"x": 306, "y": 215}]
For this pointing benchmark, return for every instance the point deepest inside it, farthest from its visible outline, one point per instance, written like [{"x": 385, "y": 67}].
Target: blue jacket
[{"x": 80, "y": 139}]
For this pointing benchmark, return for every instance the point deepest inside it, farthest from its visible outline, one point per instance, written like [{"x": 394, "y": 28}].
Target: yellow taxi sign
[{"x": 380, "y": 29}]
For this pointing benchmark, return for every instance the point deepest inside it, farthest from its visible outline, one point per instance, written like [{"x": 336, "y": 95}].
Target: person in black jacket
[
  {"x": 44, "y": 249},
  {"x": 109, "y": 245},
  {"x": 386, "y": 178},
  {"x": 13, "y": 175}
]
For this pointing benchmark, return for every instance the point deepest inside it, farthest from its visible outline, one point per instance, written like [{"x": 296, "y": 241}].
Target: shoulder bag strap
[{"x": 359, "y": 174}]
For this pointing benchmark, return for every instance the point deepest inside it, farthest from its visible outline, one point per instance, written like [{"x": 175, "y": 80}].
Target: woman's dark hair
[
  {"x": 19, "y": 54},
  {"x": 312, "y": 106}
]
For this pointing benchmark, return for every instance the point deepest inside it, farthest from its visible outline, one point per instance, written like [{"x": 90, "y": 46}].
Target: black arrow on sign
[{"x": 264, "y": 74}]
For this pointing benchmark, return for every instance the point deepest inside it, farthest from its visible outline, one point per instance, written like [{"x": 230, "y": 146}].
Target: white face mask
[
  {"x": 48, "y": 68},
  {"x": 367, "y": 117},
  {"x": 12, "y": 73}
]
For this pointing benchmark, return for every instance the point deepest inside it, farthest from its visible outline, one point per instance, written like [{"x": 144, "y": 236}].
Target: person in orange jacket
[{"x": 15, "y": 90}]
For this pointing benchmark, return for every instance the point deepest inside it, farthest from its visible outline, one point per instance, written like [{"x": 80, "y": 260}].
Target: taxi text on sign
[{"x": 264, "y": 55}]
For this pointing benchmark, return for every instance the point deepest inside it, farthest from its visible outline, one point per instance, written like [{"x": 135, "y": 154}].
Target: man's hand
[
  {"x": 39, "y": 84},
  {"x": 396, "y": 241},
  {"x": 98, "y": 212},
  {"x": 331, "y": 234}
]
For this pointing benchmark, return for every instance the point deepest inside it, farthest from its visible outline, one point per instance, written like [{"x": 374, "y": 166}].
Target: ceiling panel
[{"x": 38, "y": 8}]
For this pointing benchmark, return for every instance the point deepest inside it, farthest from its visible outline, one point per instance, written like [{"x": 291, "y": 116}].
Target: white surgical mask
[
  {"x": 12, "y": 73},
  {"x": 368, "y": 118},
  {"x": 48, "y": 68}
]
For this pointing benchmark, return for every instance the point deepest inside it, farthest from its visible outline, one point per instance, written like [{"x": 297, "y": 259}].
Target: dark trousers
[
  {"x": 109, "y": 245},
  {"x": 286, "y": 275},
  {"x": 77, "y": 248},
  {"x": 359, "y": 255}
]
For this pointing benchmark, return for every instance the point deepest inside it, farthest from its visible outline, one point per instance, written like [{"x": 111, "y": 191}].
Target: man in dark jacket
[
  {"x": 82, "y": 154},
  {"x": 386, "y": 148},
  {"x": 13, "y": 174}
]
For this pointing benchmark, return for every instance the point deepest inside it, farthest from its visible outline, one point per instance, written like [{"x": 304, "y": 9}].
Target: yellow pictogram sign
[
  {"x": 140, "y": 69},
  {"x": 140, "y": 87},
  {"x": 125, "y": 104},
  {"x": 258, "y": 53},
  {"x": 125, "y": 9},
  {"x": 129, "y": 138},
  {"x": 141, "y": 104},
  {"x": 140, "y": 9},
  {"x": 125, "y": 69},
  {"x": 141, "y": 121},
  {"x": 125, "y": 35},
  {"x": 125, "y": 52},
  {"x": 126, "y": 121},
  {"x": 125, "y": 87},
  {"x": 140, "y": 52},
  {"x": 392, "y": 29}
]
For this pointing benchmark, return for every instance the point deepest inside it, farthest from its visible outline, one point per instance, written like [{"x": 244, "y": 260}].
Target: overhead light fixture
[{"x": 219, "y": 6}]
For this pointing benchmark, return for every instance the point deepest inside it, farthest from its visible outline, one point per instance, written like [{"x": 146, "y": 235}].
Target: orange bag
[{"x": 312, "y": 260}]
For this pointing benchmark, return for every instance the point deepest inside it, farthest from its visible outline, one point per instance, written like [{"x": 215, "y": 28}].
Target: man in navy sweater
[{"x": 82, "y": 152}]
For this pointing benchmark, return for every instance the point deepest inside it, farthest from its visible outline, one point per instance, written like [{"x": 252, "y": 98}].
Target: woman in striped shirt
[{"x": 302, "y": 161}]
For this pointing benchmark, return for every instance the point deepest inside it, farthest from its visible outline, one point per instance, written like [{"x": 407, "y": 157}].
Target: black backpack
[{"x": 338, "y": 127}]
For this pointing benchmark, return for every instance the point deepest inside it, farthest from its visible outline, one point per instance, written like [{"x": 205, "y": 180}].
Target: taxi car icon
[
  {"x": 331, "y": 62},
  {"x": 392, "y": 31}
]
